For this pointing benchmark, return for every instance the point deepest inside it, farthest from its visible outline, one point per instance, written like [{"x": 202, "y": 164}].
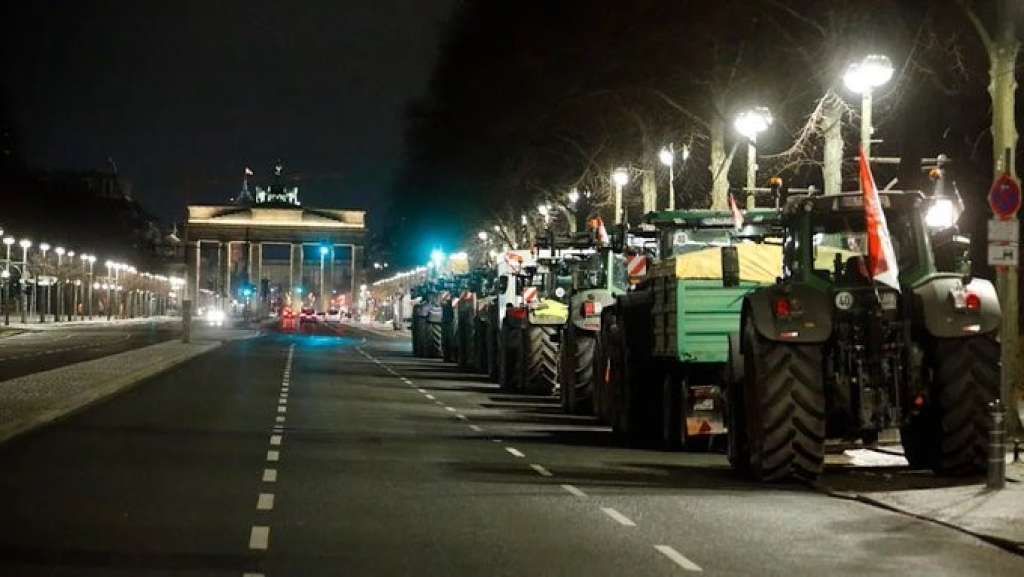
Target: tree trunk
[
  {"x": 719, "y": 166},
  {"x": 832, "y": 171}
]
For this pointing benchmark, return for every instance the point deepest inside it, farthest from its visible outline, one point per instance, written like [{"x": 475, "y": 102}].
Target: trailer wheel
[
  {"x": 738, "y": 443},
  {"x": 785, "y": 407},
  {"x": 508, "y": 363},
  {"x": 435, "y": 342},
  {"x": 674, "y": 410},
  {"x": 540, "y": 360},
  {"x": 577, "y": 369},
  {"x": 965, "y": 379}
]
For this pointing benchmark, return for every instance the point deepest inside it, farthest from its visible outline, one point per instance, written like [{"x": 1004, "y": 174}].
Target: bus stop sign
[{"x": 1004, "y": 198}]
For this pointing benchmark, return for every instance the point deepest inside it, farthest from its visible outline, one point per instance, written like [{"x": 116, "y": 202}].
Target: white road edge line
[
  {"x": 622, "y": 519},
  {"x": 574, "y": 491},
  {"x": 541, "y": 470},
  {"x": 515, "y": 452},
  {"x": 678, "y": 558},
  {"x": 259, "y": 537}
]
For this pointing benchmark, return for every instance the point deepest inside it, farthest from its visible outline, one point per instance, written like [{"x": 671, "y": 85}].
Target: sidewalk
[
  {"x": 996, "y": 516},
  {"x": 35, "y": 400},
  {"x": 49, "y": 325}
]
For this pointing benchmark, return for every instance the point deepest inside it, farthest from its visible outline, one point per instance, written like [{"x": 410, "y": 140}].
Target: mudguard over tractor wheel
[
  {"x": 951, "y": 435},
  {"x": 577, "y": 382},
  {"x": 435, "y": 340},
  {"x": 540, "y": 360},
  {"x": 785, "y": 408}
]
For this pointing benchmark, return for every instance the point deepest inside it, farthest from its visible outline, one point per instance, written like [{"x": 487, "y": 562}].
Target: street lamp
[
  {"x": 482, "y": 235},
  {"x": 60, "y": 289},
  {"x": 25, "y": 244},
  {"x": 323, "y": 253},
  {"x": 667, "y": 156},
  {"x": 545, "y": 211},
  {"x": 620, "y": 177},
  {"x": 749, "y": 124},
  {"x": 862, "y": 78},
  {"x": 574, "y": 196}
]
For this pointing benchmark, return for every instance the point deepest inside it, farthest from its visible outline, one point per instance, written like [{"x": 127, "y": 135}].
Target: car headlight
[{"x": 215, "y": 316}]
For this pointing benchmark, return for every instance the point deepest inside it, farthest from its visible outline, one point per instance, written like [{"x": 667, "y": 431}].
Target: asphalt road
[
  {"x": 319, "y": 454},
  {"x": 31, "y": 352}
]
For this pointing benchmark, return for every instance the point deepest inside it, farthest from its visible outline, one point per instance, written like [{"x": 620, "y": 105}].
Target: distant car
[
  {"x": 307, "y": 315},
  {"x": 215, "y": 317},
  {"x": 333, "y": 316}
]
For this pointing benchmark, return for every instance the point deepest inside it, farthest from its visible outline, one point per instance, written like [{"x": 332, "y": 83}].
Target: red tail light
[
  {"x": 782, "y": 308},
  {"x": 590, "y": 309},
  {"x": 972, "y": 301},
  {"x": 518, "y": 313}
]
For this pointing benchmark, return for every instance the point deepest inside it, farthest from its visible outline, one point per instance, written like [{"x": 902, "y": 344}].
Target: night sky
[{"x": 184, "y": 95}]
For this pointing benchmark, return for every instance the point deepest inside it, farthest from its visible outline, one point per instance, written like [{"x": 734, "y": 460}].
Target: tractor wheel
[
  {"x": 785, "y": 408},
  {"x": 480, "y": 360},
  {"x": 417, "y": 340},
  {"x": 577, "y": 370},
  {"x": 602, "y": 374},
  {"x": 435, "y": 340},
  {"x": 540, "y": 360},
  {"x": 493, "y": 352},
  {"x": 674, "y": 410},
  {"x": 965, "y": 379}
]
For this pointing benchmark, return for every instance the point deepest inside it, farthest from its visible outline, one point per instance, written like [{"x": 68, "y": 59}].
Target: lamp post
[
  {"x": 74, "y": 290},
  {"x": 749, "y": 124},
  {"x": 8, "y": 242},
  {"x": 25, "y": 244},
  {"x": 88, "y": 259},
  {"x": 620, "y": 177},
  {"x": 863, "y": 78},
  {"x": 323, "y": 253},
  {"x": 60, "y": 288},
  {"x": 44, "y": 247},
  {"x": 109, "y": 286}
]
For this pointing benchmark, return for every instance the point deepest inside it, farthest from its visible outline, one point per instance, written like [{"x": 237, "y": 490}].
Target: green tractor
[
  {"x": 470, "y": 329},
  {"x": 827, "y": 352},
  {"x": 664, "y": 346}
]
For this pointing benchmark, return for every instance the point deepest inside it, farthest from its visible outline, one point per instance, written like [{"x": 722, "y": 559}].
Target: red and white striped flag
[
  {"x": 881, "y": 257},
  {"x": 737, "y": 216}
]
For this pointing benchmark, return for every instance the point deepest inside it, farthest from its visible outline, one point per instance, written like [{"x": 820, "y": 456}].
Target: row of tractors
[{"x": 762, "y": 331}]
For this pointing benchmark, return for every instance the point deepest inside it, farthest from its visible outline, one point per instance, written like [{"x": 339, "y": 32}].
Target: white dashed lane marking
[
  {"x": 279, "y": 419},
  {"x": 431, "y": 397},
  {"x": 269, "y": 475},
  {"x": 424, "y": 391},
  {"x": 462, "y": 417},
  {"x": 541, "y": 470},
  {"x": 678, "y": 558},
  {"x": 273, "y": 456},
  {"x": 513, "y": 451},
  {"x": 476, "y": 428},
  {"x": 450, "y": 409},
  {"x": 259, "y": 537},
  {"x": 275, "y": 439},
  {"x": 265, "y": 502},
  {"x": 282, "y": 409},
  {"x": 574, "y": 491},
  {"x": 619, "y": 517}
]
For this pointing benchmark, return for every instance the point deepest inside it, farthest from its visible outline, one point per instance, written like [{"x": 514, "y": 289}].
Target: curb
[{"x": 93, "y": 395}]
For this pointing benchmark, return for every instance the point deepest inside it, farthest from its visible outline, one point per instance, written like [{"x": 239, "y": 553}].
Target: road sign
[
  {"x": 1006, "y": 254},
  {"x": 1003, "y": 230},
  {"x": 1004, "y": 197}
]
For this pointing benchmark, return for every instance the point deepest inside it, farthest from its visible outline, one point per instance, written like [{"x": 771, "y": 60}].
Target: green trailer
[{"x": 665, "y": 345}]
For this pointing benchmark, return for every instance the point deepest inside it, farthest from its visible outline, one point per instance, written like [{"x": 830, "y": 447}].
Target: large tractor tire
[
  {"x": 466, "y": 338},
  {"x": 603, "y": 378},
  {"x": 540, "y": 359},
  {"x": 419, "y": 336},
  {"x": 636, "y": 415},
  {"x": 481, "y": 360},
  {"x": 435, "y": 340},
  {"x": 577, "y": 370},
  {"x": 784, "y": 407},
  {"x": 952, "y": 435},
  {"x": 509, "y": 370}
]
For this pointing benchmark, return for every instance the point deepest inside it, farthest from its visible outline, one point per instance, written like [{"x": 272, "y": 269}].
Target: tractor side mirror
[{"x": 730, "y": 266}]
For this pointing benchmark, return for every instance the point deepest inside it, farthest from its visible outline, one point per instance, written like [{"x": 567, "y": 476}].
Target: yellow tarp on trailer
[{"x": 759, "y": 263}]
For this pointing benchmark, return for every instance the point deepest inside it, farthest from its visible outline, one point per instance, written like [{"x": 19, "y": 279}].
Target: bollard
[{"x": 997, "y": 447}]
